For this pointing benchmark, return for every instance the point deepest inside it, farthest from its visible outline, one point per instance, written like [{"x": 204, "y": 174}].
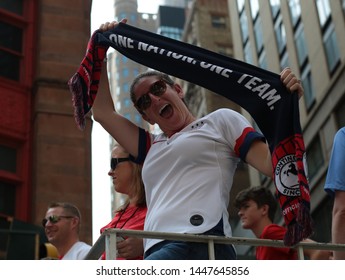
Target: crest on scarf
[
  {"x": 290, "y": 177},
  {"x": 286, "y": 174}
]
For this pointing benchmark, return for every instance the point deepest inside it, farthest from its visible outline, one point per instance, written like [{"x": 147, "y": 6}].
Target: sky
[{"x": 103, "y": 11}]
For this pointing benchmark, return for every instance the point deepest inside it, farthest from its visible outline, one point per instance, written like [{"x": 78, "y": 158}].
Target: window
[
  {"x": 244, "y": 26},
  {"x": 259, "y": 36},
  {"x": 275, "y": 8},
  {"x": 10, "y": 51},
  {"x": 329, "y": 36},
  {"x": 133, "y": 18},
  {"x": 8, "y": 163},
  {"x": 331, "y": 48},
  {"x": 301, "y": 46},
  {"x": 248, "y": 56},
  {"x": 307, "y": 82},
  {"x": 12, "y": 26},
  {"x": 263, "y": 60},
  {"x": 17, "y": 46},
  {"x": 324, "y": 11},
  {"x": 121, "y": 16},
  {"x": 280, "y": 35},
  {"x": 218, "y": 21},
  {"x": 13, "y": 6},
  {"x": 7, "y": 198},
  {"x": 284, "y": 61},
  {"x": 315, "y": 158},
  {"x": 240, "y": 5},
  {"x": 8, "y": 159},
  {"x": 295, "y": 11},
  {"x": 171, "y": 32},
  {"x": 254, "y": 8}
]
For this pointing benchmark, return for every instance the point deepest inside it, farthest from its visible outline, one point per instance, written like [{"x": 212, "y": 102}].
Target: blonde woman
[{"x": 126, "y": 176}]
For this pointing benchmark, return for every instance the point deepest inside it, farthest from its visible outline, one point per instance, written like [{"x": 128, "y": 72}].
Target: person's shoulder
[
  {"x": 78, "y": 251},
  {"x": 82, "y": 245},
  {"x": 273, "y": 231},
  {"x": 339, "y": 137},
  {"x": 85, "y": 245},
  {"x": 83, "y": 250},
  {"x": 224, "y": 113},
  {"x": 276, "y": 227},
  {"x": 228, "y": 117},
  {"x": 341, "y": 132}
]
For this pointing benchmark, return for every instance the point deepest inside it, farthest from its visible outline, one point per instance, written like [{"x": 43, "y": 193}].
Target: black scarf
[{"x": 258, "y": 91}]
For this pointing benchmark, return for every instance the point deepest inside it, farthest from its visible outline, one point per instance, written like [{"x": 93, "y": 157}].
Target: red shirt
[
  {"x": 131, "y": 218},
  {"x": 275, "y": 232}
]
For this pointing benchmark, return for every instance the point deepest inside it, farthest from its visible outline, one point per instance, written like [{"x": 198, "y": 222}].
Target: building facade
[
  {"x": 170, "y": 21},
  {"x": 308, "y": 37},
  {"x": 44, "y": 157}
]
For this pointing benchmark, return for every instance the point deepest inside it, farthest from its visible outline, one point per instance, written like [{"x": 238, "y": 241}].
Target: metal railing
[{"x": 107, "y": 242}]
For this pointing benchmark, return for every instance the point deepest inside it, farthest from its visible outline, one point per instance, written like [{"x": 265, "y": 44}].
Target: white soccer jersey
[
  {"x": 78, "y": 251},
  {"x": 188, "y": 177}
]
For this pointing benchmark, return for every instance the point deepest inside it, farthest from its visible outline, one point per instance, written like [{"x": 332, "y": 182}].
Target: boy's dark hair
[{"x": 261, "y": 196}]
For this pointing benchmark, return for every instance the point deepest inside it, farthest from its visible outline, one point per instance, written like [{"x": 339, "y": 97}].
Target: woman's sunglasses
[
  {"x": 115, "y": 161},
  {"x": 54, "y": 219},
  {"x": 157, "y": 89}
]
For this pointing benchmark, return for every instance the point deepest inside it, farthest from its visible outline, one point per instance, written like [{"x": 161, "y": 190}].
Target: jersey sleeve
[
  {"x": 238, "y": 132},
  {"x": 144, "y": 144}
]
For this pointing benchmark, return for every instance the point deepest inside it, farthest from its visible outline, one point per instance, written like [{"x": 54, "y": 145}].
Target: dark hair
[
  {"x": 261, "y": 195},
  {"x": 162, "y": 76}
]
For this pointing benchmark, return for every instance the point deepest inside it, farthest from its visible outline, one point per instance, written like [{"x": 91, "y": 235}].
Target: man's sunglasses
[
  {"x": 54, "y": 219},
  {"x": 115, "y": 161},
  {"x": 144, "y": 101}
]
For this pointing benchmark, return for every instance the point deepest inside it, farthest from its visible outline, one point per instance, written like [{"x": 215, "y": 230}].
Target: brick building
[{"x": 44, "y": 157}]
